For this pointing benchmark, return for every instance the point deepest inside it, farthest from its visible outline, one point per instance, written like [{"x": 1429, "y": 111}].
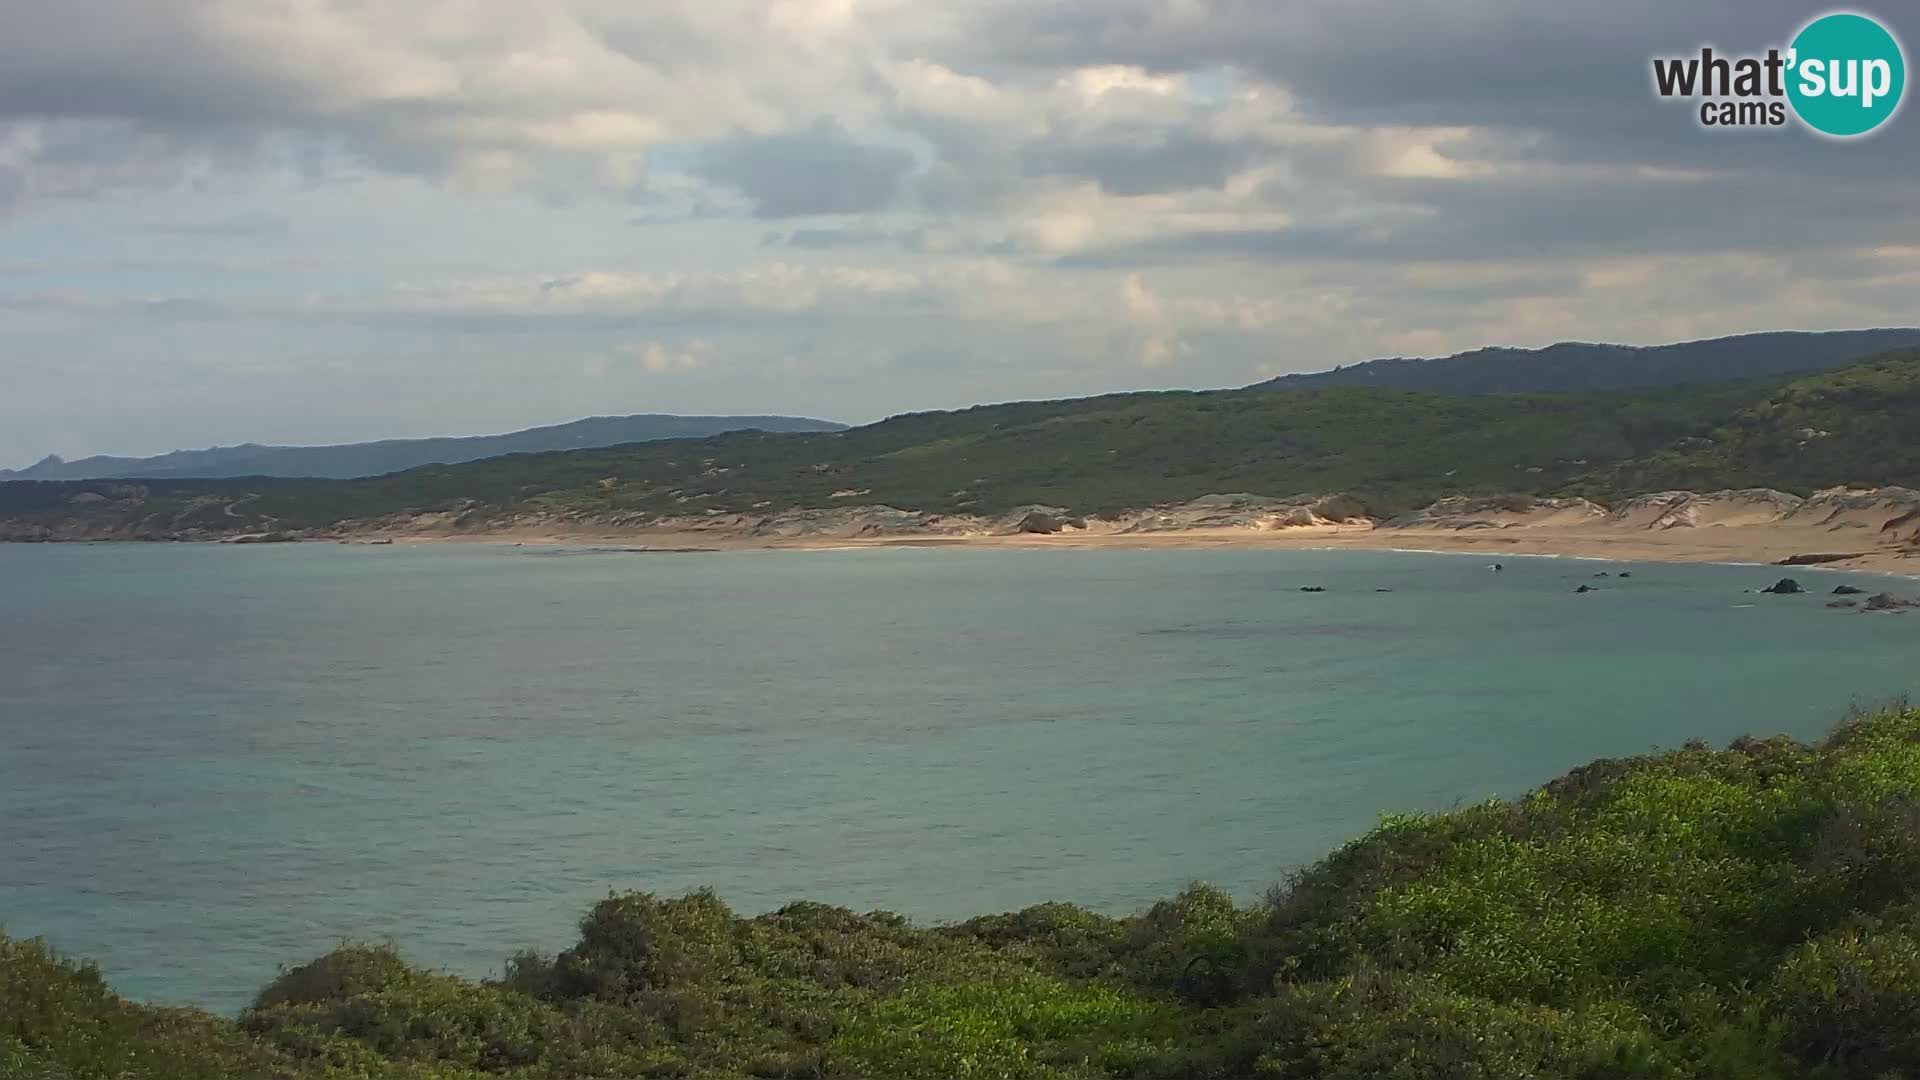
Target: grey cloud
[
  {"x": 13, "y": 188},
  {"x": 1562, "y": 217},
  {"x": 832, "y": 238},
  {"x": 126, "y": 59},
  {"x": 916, "y": 239},
  {"x": 1574, "y": 78},
  {"x": 820, "y": 171},
  {"x": 1387, "y": 59},
  {"x": 1146, "y": 163},
  {"x": 243, "y": 226}
]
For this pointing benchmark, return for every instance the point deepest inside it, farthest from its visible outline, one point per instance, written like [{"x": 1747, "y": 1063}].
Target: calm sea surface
[{"x": 215, "y": 760}]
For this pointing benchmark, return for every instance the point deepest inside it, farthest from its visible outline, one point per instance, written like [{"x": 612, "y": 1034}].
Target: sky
[{"x": 314, "y": 221}]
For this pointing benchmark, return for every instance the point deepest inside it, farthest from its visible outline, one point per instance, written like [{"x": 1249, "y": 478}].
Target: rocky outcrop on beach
[
  {"x": 1881, "y": 515},
  {"x": 1244, "y": 511},
  {"x": 845, "y": 523},
  {"x": 1886, "y": 514},
  {"x": 1039, "y": 521},
  {"x": 1499, "y": 512},
  {"x": 1690, "y": 510}
]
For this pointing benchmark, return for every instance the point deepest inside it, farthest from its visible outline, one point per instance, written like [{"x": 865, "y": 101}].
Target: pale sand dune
[{"x": 1878, "y": 530}]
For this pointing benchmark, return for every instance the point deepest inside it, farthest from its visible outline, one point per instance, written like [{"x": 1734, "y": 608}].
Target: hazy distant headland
[
  {"x": 392, "y": 455},
  {"x": 1739, "y": 444}
]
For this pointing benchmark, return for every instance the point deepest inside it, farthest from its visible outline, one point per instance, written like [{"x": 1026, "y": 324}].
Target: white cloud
[{"x": 656, "y": 358}]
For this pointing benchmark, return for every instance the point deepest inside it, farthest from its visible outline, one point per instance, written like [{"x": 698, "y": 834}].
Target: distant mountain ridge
[
  {"x": 351, "y": 460},
  {"x": 1575, "y": 367},
  {"x": 1383, "y": 452}
]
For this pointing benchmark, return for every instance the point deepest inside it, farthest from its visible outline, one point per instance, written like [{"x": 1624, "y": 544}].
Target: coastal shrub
[
  {"x": 1060, "y": 938},
  {"x": 1190, "y": 946},
  {"x": 58, "y": 1019},
  {"x": 1852, "y": 1001},
  {"x": 1864, "y": 855},
  {"x": 424, "y": 1021},
  {"x": 635, "y": 942},
  {"x": 832, "y": 948},
  {"x": 533, "y": 973},
  {"x": 23, "y": 1062},
  {"x": 1013, "y": 1029},
  {"x": 348, "y": 971},
  {"x": 1380, "y": 1025}
]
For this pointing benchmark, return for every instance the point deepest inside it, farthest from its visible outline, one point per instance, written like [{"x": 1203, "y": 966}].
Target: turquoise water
[{"x": 214, "y": 760}]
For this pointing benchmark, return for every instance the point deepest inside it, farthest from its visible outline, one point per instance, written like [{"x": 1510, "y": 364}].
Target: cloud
[
  {"x": 1151, "y": 161},
  {"x": 480, "y": 93},
  {"x": 822, "y": 170},
  {"x": 239, "y": 225},
  {"x": 309, "y": 210},
  {"x": 832, "y": 238},
  {"x": 656, "y": 358}
]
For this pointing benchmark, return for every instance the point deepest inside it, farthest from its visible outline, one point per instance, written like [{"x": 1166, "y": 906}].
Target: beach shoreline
[
  {"x": 1874, "y": 530},
  {"x": 1751, "y": 545}
]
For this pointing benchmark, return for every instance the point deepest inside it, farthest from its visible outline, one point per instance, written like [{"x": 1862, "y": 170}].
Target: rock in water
[
  {"x": 1786, "y": 586},
  {"x": 1847, "y": 590},
  {"x": 1888, "y": 602},
  {"x": 1586, "y": 588},
  {"x": 1817, "y": 559}
]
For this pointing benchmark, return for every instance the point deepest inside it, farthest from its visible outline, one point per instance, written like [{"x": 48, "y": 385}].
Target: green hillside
[
  {"x": 1392, "y": 450},
  {"x": 1858, "y": 425},
  {"x": 1750, "y": 913},
  {"x": 1583, "y": 367}
]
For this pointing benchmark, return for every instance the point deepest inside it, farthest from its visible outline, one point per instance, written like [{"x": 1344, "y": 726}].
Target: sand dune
[{"x": 1862, "y": 529}]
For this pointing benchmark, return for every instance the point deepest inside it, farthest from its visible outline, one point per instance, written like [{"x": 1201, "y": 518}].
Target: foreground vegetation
[
  {"x": 1389, "y": 450},
  {"x": 1745, "y": 913}
]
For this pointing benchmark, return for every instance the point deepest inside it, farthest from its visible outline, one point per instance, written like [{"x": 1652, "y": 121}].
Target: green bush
[
  {"x": 349, "y": 971},
  {"x": 59, "y": 1019},
  {"x": 634, "y": 943},
  {"x": 1018, "y": 1028},
  {"x": 1059, "y": 938},
  {"x": 1851, "y": 999}
]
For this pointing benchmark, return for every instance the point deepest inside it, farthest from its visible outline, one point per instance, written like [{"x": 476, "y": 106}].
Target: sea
[{"x": 217, "y": 760}]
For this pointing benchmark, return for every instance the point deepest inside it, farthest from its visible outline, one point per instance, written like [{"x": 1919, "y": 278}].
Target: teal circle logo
[{"x": 1846, "y": 74}]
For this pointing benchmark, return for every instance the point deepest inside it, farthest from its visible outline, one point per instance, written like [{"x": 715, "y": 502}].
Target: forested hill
[
  {"x": 1571, "y": 367},
  {"x": 1391, "y": 450}
]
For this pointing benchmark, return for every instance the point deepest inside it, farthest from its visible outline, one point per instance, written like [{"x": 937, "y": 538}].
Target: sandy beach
[{"x": 1876, "y": 531}]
